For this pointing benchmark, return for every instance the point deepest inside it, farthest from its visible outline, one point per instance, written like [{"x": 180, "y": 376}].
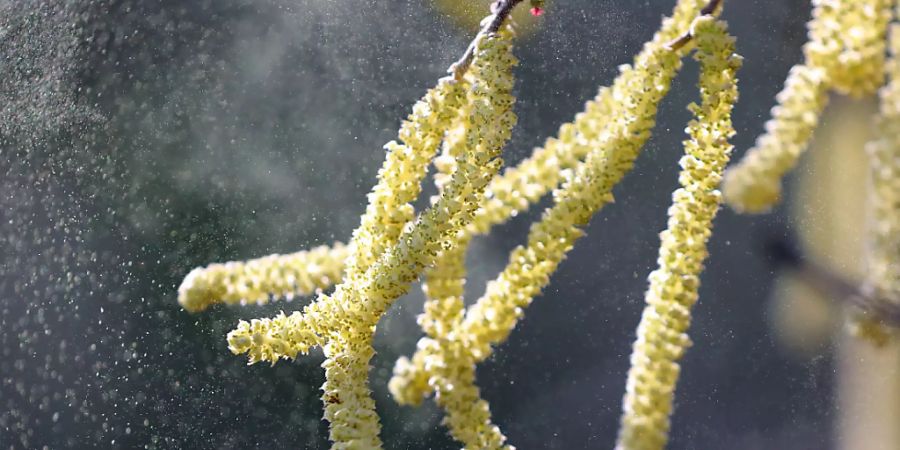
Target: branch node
[
  {"x": 685, "y": 38},
  {"x": 500, "y": 10}
]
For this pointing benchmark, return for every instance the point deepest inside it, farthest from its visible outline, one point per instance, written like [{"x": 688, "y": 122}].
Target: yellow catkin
[
  {"x": 343, "y": 323},
  {"x": 754, "y": 184},
  {"x": 845, "y": 52},
  {"x": 258, "y": 280},
  {"x": 883, "y": 252},
  {"x": 847, "y": 41},
  {"x": 444, "y": 288},
  {"x": 445, "y": 364},
  {"x": 661, "y": 336},
  {"x": 444, "y": 284}
]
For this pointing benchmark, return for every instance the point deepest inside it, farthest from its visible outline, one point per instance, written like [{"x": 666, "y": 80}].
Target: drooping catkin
[
  {"x": 845, "y": 53},
  {"x": 662, "y": 334},
  {"x": 258, "y": 280}
]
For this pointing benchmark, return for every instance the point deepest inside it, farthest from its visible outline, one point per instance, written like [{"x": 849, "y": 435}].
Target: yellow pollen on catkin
[{"x": 662, "y": 334}]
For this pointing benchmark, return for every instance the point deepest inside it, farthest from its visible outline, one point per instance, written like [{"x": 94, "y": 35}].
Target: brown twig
[
  {"x": 833, "y": 285},
  {"x": 500, "y": 10},
  {"x": 862, "y": 297},
  {"x": 710, "y": 7},
  {"x": 682, "y": 40}
]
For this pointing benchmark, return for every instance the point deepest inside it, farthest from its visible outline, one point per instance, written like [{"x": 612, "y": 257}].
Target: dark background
[{"x": 140, "y": 139}]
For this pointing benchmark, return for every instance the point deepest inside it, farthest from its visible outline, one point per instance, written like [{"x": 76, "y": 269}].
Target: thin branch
[
  {"x": 710, "y": 7},
  {"x": 862, "y": 297},
  {"x": 682, "y": 40},
  {"x": 833, "y": 285},
  {"x": 500, "y": 10}
]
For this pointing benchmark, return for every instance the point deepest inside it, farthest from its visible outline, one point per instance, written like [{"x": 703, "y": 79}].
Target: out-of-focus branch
[
  {"x": 500, "y": 10},
  {"x": 833, "y": 285}
]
